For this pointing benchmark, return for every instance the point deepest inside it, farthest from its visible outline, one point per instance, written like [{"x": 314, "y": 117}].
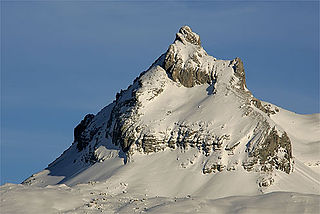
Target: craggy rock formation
[
  {"x": 185, "y": 60},
  {"x": 239, "y": 72},
  {"x": 185, "y": 35},
  {"x": 80, "y": 135},
  {"x": 275, "y": 151}
]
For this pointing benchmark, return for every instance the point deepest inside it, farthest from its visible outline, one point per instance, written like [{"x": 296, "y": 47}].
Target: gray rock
[
  {"x": 80, "y": 136},
  {"x": 185, "y": 35},
  {"x": 188, "y": 72}
]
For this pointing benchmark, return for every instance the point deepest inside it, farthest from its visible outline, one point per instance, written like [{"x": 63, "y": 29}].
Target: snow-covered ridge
[{"x": 194, "y": 110}]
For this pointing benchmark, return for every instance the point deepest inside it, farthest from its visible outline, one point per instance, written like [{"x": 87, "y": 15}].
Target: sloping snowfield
[{"x": 102, "y": 198}]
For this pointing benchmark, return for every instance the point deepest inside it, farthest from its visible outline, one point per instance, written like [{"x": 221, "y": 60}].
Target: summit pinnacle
[{"x": 185, "y": 35}]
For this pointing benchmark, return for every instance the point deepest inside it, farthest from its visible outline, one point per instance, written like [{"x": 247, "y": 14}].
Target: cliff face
[
  {"x": 186, "y": 61},
  {"x": 188, "y": 100}
]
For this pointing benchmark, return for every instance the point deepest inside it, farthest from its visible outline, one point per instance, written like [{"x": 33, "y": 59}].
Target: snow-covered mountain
[{"x": 189, "y": 126}]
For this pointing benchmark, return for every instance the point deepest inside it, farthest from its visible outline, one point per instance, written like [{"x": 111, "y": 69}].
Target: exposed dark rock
[
  {"x": 267, "y": 153},
  {"x": 188, "y": 72},
  {"x": 80, "y": 136},
  {"x": 89, "y": 157},
  {"x": 185, "y": 34},
  {"x": 213, "y": 168},
  {"x": 266, "y": 109},
  {"x": 124, "y": 114},
  {"x": 239, "y": 72}
]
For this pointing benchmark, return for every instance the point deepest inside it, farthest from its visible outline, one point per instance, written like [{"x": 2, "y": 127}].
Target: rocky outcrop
[
  {"x": 275, "y": 151},
  {"x": 239, "y": 72},
  {"x": 81, "y": 138},
  {"x": 187, "y": 68},
  {"x": 124, "y": 115},
  {"x": 241, "y": 85},
  {"x": 185, "y": 35}
]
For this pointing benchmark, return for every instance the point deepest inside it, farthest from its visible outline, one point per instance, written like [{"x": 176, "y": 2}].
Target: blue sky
[{"x": 62, "y": 60}]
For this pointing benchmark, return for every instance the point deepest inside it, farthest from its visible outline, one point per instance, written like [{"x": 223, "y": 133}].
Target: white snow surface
[{"x": 105, "y": 197}]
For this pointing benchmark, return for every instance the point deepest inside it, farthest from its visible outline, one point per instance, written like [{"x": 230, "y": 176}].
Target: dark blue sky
[{"x": 62, "y": 60}]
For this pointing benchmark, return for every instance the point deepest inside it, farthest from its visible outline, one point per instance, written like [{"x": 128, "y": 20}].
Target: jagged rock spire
[
  {"x": 184, "y": 60},
  {"x": 185, "y": 35},
  {"x": 188, "y": 63}
]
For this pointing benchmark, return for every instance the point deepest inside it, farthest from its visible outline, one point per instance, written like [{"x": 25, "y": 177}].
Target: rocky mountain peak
[
  {"x": 219, "y": 120},
  {"x": 185, "y": 35},
  {"x": 188, "y": 63}
]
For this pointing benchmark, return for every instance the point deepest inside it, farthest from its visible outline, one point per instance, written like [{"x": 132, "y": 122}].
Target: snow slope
[{"x": 108, "y": 198}]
